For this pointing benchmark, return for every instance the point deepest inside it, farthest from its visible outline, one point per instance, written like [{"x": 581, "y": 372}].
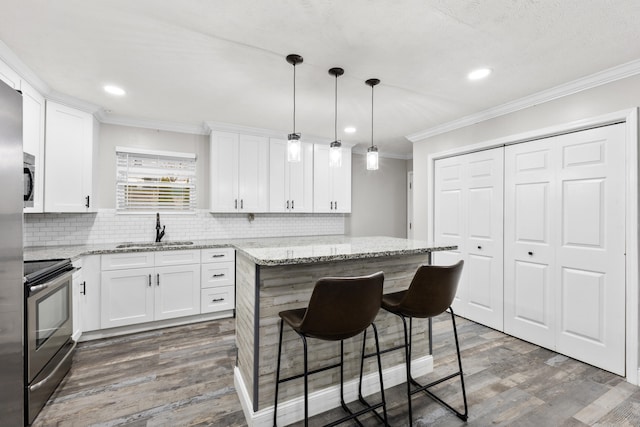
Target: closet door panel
[
  {"x": 529, "y": 310},
  {"x": 591, "y": 247},
  {"x": 484, "y": 237}
]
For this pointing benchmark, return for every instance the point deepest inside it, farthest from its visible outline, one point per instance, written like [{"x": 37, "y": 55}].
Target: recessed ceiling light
[
  {"x": 478, "y": 74},
  {"x": 350, "y": 129},
  {"x": 114, "y": 90}
]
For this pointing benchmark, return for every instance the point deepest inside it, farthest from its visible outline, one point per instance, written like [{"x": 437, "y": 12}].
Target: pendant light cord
[
  {"x": 294, "y": 98},
  {"x": 372, "y": 116},
  {"x": 335, "y": 127}
]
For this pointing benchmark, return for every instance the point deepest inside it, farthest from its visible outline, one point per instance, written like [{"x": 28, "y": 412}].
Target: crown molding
[
  {"x": 26, "y": 73},
  {"x": 164, "y": 125},
  {"x": 73, "y": 102},
  {"x": 385, "y": 154},
  {"x": 600, "y": 78}
]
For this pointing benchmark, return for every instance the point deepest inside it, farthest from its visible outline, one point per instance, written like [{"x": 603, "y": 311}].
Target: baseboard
[
  {"x": 291, "y": 411},
  {"x": 150, "y": 326}
]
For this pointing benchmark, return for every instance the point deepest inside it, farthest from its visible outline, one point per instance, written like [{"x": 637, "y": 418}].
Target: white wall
[
  {"x": 619, "y": 95},
  {"x": 378, "y": 198}
]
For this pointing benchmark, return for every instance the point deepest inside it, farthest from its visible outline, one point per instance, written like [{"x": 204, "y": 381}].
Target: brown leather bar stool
[
  {"x": 339, "y": 308},
  {"x": 430, "y": 293}
]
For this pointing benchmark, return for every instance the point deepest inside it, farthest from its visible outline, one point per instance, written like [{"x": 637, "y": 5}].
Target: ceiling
[{"x": 192, "y": 61}]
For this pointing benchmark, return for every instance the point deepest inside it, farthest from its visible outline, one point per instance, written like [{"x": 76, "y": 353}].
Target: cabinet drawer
[
  {"x": 218, "y": 255},
  {"x": 127, "y": 260},
  {"x": 177, "y": 257},
  {"x": 218, "y": 274},
  {"x": 217, "y": 299}
]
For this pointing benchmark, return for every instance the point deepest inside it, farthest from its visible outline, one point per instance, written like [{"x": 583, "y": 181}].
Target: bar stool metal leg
[{"x": 275, "y": 404}]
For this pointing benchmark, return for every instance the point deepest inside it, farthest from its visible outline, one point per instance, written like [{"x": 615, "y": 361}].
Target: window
[{"x": 148, "y": 180}]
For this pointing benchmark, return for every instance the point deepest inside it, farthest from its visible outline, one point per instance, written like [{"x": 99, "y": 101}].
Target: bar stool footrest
[{"x": 424, "y": 388}]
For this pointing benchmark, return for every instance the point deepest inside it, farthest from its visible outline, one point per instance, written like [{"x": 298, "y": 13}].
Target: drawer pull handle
[
  {"x": 218, "y": 275},
  {"x": 217, "y": 299},
  {"x": 217, "y": 255}
]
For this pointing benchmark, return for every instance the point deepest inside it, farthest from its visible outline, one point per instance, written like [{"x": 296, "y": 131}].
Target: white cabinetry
[
  {"x": 69, "y": 159},
  {"x": 218, "y": 280},
  {"x": 77, "y": 286},
  {"x": 164, "y": 285},
  {"x": 89, "y": 295},
  {"x": 33, "y": 108},
  {"x": 331, "y": 186},
  {"x": 239, "y": 176},
  {"x": 290, "y": 183}
]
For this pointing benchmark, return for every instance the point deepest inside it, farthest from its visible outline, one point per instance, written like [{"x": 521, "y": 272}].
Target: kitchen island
[{"x": 273, "y": 275}]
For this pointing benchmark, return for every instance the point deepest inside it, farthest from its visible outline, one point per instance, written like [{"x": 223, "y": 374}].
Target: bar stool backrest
[
  {"x": 342, "y": 307},
  {"x": 432, "y": 290}
]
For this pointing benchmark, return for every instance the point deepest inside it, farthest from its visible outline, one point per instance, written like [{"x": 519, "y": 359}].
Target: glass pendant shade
[
  {"x": 335, "y": 154},
  {"x": 372, "y": 158},
  {"x": 293, "y": 147}
]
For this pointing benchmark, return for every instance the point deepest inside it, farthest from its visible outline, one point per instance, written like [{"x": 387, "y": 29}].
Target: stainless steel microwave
[{"x": 29, "y": 179}]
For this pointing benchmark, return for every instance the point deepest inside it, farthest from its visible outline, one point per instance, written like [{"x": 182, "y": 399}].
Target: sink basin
[{"x": 152, "y": 244}]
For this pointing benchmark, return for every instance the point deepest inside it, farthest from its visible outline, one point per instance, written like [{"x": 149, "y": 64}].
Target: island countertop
[{"x": 306, "y": 250}]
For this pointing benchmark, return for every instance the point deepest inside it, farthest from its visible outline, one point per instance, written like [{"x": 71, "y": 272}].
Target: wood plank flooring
[{"x": 183, "y": 376}]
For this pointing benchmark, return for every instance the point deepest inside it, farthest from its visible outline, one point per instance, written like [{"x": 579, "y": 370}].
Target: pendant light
[
  {"x": 335, "y": 148},
  {"x": 372, "y": 152},
  {"x": 293, "y": 140}
]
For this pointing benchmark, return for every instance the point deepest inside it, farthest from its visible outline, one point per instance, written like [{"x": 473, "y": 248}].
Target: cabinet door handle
[
  {"x": 218, "y": 275},
  {"x": 149, "y": 280},
  {"x": 87, "y": 204},
  {"x": 241, "y": 203},
  {"x": 336, "y": 204},
  {"x": 530, "y": 253},
  {"x": 217, "y": 299},
  {"x": 287, "y": 204},
  {"x": 332, "y": 205},
  {"x": 236, "y": 204},
  {"x": 480, "y": 247},
  {"x": 84, "y": 288},
  {"x": 158, "y": 279},
  {"x": 292, "y": 207}
]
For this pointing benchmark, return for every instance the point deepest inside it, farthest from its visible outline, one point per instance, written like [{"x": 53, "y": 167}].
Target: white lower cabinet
[
  {"x": 218, "y": 278},
  {"x": 154, "y": 292},
  {"x": 76, "y": 287},
  {"x": 89, "y": 294}
]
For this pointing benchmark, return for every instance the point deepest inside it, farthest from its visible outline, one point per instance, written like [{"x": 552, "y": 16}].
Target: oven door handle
[
  {"x": 56, "y": 281},
  {"x": 38, "y": 288},
  {"x": 40, "y": 383}
]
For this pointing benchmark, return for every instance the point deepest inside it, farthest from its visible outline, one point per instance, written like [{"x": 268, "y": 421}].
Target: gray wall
[
  {"x": 125, "y": 136},
  {"x": 378, "y": 198},
  {"x": 619, "y": 95}
]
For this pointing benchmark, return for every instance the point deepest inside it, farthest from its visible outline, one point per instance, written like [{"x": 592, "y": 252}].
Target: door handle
[
  {"x": 235, "y": 204},
  {"x": 530, "y": 253},
  {"x": 287, "y": 204},
  {"x": 87, "y": 204},
  {"x": 84, "y": 288},
  {"x": 158, "y": 279},
  {"x": 149, "y": 280},
  {"x": 332, "y": 205},
  {"x": 241, "y": 203},
  {"x": 336, "y": 204}
]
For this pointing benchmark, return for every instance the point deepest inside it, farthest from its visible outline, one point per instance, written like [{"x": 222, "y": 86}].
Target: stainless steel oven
[
  {"x": 48, "y": 329},
  {"x": 29, "y": 170}
]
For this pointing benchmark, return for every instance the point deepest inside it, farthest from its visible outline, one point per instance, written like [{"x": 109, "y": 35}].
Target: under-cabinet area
[{"x": 115, "y": 292}]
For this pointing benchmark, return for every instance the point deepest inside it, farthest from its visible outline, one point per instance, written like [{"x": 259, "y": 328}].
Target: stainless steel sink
[{"x": 153, "y": 244}]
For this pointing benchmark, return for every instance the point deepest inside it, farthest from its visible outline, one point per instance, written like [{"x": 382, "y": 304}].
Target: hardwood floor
[{"x": 183, "y": 376}]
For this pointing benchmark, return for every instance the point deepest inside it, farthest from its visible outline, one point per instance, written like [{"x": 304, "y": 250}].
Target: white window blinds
[{"x": 155, "y": 181}]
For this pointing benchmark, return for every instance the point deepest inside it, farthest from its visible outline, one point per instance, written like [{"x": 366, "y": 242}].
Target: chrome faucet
[{"x": 159, "y": 233}]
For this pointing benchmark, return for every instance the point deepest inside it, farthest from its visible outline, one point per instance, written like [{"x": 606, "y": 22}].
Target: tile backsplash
[{"x": 106, "y": 226}]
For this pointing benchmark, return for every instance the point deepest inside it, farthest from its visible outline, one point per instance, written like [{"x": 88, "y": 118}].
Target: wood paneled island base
[{"x": 270, "y": 279}]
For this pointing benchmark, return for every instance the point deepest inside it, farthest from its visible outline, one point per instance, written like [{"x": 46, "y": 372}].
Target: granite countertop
[
  {"x": 262, "y": 251},
  {"x": 304, "y": 250}
]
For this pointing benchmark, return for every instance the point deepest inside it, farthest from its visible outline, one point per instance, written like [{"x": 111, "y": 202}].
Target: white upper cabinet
[
  {"x": 331, "y": 186},
  {"x": 239, "y": 173},
  {"x": 290, "y": 183},
  {"x": 68, "y": 160},
  {"x": 33, "y": 140}
]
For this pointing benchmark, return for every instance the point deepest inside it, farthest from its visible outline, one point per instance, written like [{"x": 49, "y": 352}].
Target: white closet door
[
  {"x": 468, "y": 213},
  {"x": 528, "y": 242},
  {"x": 449, "y": 208},
  {"x": 564, "y": 245},
  {"x": 590, "y": 275},
  {"x": 484, "y": 255}
]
